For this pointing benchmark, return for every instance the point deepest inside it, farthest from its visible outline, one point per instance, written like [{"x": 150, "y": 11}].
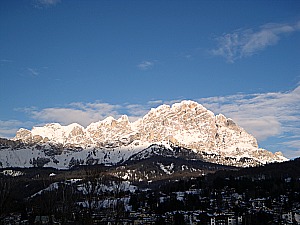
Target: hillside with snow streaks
[{"x": 186, "y": 124}]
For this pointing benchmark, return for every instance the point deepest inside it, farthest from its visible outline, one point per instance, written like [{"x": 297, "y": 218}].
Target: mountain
[{"x": 187, "y": 124}]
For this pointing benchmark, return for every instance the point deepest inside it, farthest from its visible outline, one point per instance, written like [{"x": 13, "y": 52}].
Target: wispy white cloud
[
  {"x": 6, "y": 61},
  {"x": 45, "y": 3},
  {"x": 243, "y": 43},
  {"x": 32, "y": 71},
  {"x": 145, "y": 65},
  {"x": 82, "y": 113},
  {"x": 86, "y": 113},
  {"x": 136, "y": 111},
  {"x": 291, "y": 154},
  {"x": 155, "y": 102},
  {"x": 263, "y": 114},
  {"x": 9, "y": 128}
]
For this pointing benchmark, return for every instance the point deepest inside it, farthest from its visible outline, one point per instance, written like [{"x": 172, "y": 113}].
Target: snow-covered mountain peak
[
  {"x": 157, "y": 110},
  {"x": 123, "y": 118},
  {"x": 186, "y": 104},
  {"x": 187, "y": 124},
  {"x": 108, "y": 120},
  {"x": 221, "y": 118}
]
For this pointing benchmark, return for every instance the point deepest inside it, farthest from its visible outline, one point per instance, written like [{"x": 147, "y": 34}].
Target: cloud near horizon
[
  {"x": 9, "y": 128},
  {"x": 78, "y": 112},
  {"x": 264, "y": 115},
  {"x": 247, "y": 42}
]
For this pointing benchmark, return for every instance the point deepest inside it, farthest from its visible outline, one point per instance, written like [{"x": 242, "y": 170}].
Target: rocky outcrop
[{"x": 186, "y": 124}]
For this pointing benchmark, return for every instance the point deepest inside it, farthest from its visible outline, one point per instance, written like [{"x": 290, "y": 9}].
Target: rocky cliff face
[{"x": 186, "y": 124}]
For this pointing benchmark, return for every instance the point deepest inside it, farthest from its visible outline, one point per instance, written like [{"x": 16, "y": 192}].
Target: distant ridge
[{"x": 214, "y": 138}]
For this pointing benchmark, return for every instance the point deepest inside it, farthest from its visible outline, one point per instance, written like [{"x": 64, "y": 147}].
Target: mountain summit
[{"x": 186, "y": 124}]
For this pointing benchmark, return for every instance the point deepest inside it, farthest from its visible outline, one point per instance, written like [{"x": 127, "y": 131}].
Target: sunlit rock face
[{"x": 186, "y": 124}]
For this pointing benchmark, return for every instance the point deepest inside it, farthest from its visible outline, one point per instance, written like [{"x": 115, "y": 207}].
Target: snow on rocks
[{"x": 110, "y": 141}]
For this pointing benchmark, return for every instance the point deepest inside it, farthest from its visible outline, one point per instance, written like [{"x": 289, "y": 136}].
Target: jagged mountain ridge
[{"x": 186, "y": 124}]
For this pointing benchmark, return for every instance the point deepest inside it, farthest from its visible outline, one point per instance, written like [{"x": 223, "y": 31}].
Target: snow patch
[
  {"x": 12, "y": 173},
  {"x": 167, "y": 169}
]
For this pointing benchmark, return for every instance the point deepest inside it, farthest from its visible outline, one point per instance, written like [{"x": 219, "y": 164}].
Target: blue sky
[{"x": 81, "y": 61}]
